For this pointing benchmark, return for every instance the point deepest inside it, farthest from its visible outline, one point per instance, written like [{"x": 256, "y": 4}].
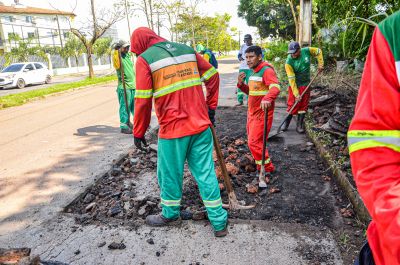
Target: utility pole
[
  {"x": 305, "y": 20},
  {"x": 127, "y": 18}
]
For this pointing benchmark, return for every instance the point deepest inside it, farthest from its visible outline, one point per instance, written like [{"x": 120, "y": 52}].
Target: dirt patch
[{"x": 300, "y": 191}]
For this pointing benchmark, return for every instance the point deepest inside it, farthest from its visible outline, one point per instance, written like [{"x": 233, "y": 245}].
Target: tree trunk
[
  {"x": 76, "y": 61},
  {"x": 295, "y": 18},
  {"x": 147, "y": 13},
  {"x": 90, "y": 61},
  {"x": 151, "y": 14}
]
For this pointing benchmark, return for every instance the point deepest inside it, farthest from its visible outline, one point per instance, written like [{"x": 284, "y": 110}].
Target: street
[
  {"x": 52, "y": 148},
  {"x": 54, "y": 81}
]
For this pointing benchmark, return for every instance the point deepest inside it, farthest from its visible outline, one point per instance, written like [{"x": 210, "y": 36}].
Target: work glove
[
  {"x": 138, "y": 143},
  {"x": 211, "y": 116}
]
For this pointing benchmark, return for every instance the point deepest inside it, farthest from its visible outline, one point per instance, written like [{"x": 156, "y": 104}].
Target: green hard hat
[{"x": 200, "y": 48}]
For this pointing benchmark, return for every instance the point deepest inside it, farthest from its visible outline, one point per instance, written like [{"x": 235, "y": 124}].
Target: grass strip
[{"x": 24, "y": 97}]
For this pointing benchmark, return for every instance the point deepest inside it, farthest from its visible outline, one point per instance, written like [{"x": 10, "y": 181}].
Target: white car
[{"x": 21, "y": 74}]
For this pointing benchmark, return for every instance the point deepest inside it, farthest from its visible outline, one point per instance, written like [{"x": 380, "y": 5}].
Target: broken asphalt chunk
[
  {"x": 115, "y": 245},
  {"x": 250, "y": 188}
]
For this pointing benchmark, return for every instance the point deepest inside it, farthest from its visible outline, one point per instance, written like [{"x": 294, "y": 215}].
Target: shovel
[
  {"x": 262, "y": 181},
  {"x": 233, "y": 201},
  {"x": 278, "y": 131}
]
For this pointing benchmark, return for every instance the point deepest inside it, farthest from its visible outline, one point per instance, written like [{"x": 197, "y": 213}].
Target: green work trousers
[
  {"x": 123, "y": 116},
  {"x": 240, "y": 94},
  {"x": 197, "y": 150}
]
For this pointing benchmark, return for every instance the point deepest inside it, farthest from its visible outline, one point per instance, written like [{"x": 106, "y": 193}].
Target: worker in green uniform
[
  {"x": 298, "y": 64},
  {"x": 130, "y": 85}
]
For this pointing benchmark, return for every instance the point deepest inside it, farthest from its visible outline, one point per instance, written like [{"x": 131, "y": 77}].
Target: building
[
  {"x": 44, "y": 27},
  {"x": 111, "y": 32}
]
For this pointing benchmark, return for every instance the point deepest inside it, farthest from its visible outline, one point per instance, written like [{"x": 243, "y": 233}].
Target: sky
[{"x": 82, "y": 10}]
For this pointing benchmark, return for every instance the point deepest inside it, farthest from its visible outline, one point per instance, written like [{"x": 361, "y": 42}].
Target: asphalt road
[{"x": 55, "y": 80}]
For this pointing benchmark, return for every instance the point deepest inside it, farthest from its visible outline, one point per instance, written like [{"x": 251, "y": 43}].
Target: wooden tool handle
[{"x": 221, "y": 161}]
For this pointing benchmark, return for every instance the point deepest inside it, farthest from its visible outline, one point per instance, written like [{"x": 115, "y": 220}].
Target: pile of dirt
[
  {"x": 22, "y": 256},
  {"x": 331, "y": 114},
  {"x": 114, "y": 199}
]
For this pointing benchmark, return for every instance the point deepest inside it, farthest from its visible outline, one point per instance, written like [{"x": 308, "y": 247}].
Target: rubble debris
[
  {"x": 240, "y": 141},
  {"x": 115, "y": 245},
  {"x": 77, "y": 252},
  {"x": 218, "y": 172},
  {"x": 153, "y": 147},
  {"x": 101, "y": 244},
  {"x": 232, "y": 169},
  {"x": 326, "y": 178},
  {"x": 186, "y": 215},
  {"x": 346, "y": 213},
  {"x": 199, "y": 215},
  {"x": 90, "y": 207},
  {"x": 252, "y": 188},
  {"x": 322, "y": 100},
  {"x": 150, "y": 241},
  {"x": 89, "y": 198},
  {"x": 14, "y": 255},
  {"x": 274, "y": 190}
]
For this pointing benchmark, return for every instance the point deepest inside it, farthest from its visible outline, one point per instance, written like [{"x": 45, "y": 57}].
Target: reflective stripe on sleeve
[
  {"x": 258, "y": 93},
  {"x": 208, "y": 74},
  {"x": 145, "y": 93},
  {"x": 363, "y": 139},
  {"x": 275, "y": 85}
]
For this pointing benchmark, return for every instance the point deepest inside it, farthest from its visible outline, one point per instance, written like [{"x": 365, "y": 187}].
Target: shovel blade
[
  {"x": 274, "y": 134},
  {"x": 262, "y": 182}
]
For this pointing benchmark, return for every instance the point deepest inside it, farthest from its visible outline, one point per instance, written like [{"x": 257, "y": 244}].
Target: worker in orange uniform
[
  {"x": 172, "y": 74},
  {"x": 263, "y": 88},
  {"x": 374, "y": 144}
]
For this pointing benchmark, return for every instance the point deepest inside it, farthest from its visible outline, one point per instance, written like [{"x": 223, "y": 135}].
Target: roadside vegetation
[{"x": 22, "y": 98}]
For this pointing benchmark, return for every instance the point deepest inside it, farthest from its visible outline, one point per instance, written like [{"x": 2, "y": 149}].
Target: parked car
[{"x": 21, "y": 74}]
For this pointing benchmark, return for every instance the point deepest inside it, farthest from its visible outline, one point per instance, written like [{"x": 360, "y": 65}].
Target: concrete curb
[{"x": 340, "y": 177}]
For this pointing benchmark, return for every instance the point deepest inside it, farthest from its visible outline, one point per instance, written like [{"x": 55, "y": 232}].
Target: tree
[
  {"x": 346, "y": 27},
  {"x": 73, "y": 48},
  {"x": 273, "y": 18},
  {"x": 172, "y": 11},
  {"x": 210, "y": 31},
  {"x": 102, "y": 47},
  {"x": 22, "y": 51},
  {"x": 97, "y": 26}
]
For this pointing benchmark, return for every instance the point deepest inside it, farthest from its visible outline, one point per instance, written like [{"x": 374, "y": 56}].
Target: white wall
[{"x": 44, "y": 25}]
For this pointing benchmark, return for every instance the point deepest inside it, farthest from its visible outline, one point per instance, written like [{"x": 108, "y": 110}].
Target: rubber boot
[
  {"x": 159, "y": 220},
  {"x": 287, "y": 122},
  {"x": 126, "y": 131},
  {"x": 300, "y": 123}
]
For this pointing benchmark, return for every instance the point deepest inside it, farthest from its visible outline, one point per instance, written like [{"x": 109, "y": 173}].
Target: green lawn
[{"x": 23, "y": 97}]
